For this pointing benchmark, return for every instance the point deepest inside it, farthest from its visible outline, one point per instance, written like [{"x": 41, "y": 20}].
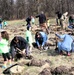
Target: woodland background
[{"x": 19, "y": 9}]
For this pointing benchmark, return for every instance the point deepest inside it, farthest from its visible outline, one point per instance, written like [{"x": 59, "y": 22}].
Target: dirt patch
[{"x": 46, "y": 71}]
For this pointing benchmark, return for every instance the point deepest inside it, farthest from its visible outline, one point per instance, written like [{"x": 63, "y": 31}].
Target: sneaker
[
  {"x": 4, "y": 67},
  {"x": 68, "y": 54},
  {"x": 10, "y": 65},
  {"x": 46, "y": 48},
  {"x": 61, "y": 53}
]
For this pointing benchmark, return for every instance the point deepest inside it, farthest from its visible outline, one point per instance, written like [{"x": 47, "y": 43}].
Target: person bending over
[
  {"x": 65, "y": 44},
  {"x": 41, "y": 39},
  {"x": 19, "y": 43}
]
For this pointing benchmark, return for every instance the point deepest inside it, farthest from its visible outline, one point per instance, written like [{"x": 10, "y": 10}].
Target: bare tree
[{"x": 18, "y": 9}]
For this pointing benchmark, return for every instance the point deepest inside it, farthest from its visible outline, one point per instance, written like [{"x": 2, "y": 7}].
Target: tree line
[{"x": 19, "y": 9}]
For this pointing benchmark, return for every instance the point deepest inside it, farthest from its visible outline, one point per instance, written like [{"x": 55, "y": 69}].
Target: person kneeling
[
  {"x": 65, "y": 44},
  {"x": 41, "y": 39}
]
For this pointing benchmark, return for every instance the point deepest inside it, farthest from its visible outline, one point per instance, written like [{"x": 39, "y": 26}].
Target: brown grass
[{"x": 56, "y": 59}]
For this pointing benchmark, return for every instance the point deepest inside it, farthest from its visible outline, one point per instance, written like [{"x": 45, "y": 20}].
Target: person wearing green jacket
[
  {"x": 4, "y": 49},
  {"x": 29, "y": 37},
  {"x": 4, "y": 23}
]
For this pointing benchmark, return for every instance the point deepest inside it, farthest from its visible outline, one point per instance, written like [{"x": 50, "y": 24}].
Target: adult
[
  {"x": 41, "y": 39},
  {"x": 28, "y": 20},
  {"x": 58, "y": 18},
  {"x": 19, "y": 43},
  {"x": 65, "y": 44},
  {"x": 64, "y": 20},
  {"x": 42, "y": 21}
]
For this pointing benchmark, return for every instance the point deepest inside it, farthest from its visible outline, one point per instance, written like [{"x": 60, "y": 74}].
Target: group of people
[
  {"x": 65, "y": 20},
  {"x": 20, "y": 44},
  {"x": 42, "y": 21},
  {"x": 62, "y": 19},
  {"x": 24, "y": 45},
  {"x": 3, "y": 23},
  {"x": 67, "y": 40}
]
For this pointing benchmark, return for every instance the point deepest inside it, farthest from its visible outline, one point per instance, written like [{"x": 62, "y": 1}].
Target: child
[
  {"x": 29, "y": 37},
  {"x": 4, "y": 49},
  {"x": 4, "y": 23},
  {"x": 32, "y": 20}
]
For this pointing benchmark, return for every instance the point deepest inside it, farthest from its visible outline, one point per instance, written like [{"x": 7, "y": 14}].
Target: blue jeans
[{"x": 0, "y": 26}]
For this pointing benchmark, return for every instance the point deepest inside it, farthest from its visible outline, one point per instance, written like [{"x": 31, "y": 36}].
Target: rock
[
  {"x": 72, "y": 69},
  {"x": 21, "y": 29},
  {"x": 29, "y": 57},
  {"x": 46, "y": 65},
  {"x": 48, "y": 61},
  {"x": 39, "y": 63},
  {"x": 35, "y": 62},
  {"x": 26, "y": 73},
  {"x": 72, "y": 73},
  {"x": 61, "y": 70},
  {"x": 17, "y": 70},
  {"x": 46, "y": 71},
  {"x": 23, "y": 25}
]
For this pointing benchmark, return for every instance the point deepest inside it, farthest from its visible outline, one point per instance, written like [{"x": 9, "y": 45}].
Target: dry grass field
[{"x": 18, "y": 27}]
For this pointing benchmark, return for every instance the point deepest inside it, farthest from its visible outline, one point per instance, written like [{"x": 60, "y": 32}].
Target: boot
[{"x": 47, "y": 31}]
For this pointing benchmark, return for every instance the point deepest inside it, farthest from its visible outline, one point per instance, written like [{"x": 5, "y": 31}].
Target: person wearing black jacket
[
  {"x": 19, "y": 43},
  {"x": 42, "y": 21},
  {"x": 58, "y": 19},
  {"x": 28, "y": 20}
]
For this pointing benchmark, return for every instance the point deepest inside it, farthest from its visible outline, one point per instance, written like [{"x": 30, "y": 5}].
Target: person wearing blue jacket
[
  {"x": 65, "y": 44},
  {"x": 41, "y": 39}
]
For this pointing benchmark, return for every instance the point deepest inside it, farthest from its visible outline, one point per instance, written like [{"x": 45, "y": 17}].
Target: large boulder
[
  {"x": 38, "y": 62},
  {"x": 72, "y": 69},
  {"x": 61, "y": 70}
]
